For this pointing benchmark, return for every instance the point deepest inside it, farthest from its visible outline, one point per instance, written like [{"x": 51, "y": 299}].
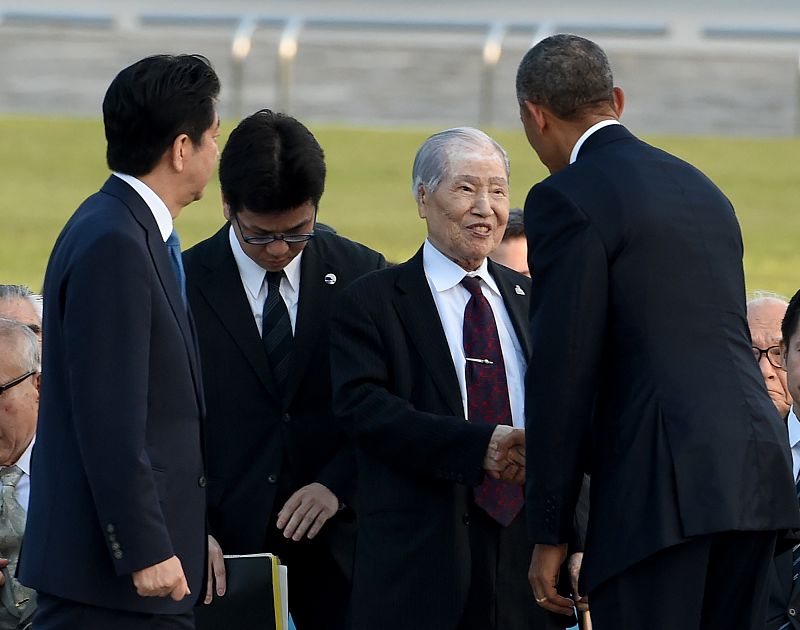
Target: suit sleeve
[
  {"x": 107, "y": 341},
  {"x": 386, "y": 425},
  {"x": 568, "y": 330},
  {"x": 339, "y": 474}
]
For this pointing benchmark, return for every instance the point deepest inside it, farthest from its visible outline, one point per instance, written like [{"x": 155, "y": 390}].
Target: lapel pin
[
  {"x": 518, "y": 290},
  {"x": 330, "y": 278}
]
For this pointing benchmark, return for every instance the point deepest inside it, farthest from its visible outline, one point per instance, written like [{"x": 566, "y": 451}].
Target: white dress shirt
[
  {"x": 595, "y": 127},
  {"x": 254, "y": 280},
  {"x": 794, "y": 441},
  {"x": 23, "y": 489},
  {"x": 154, "y": 202},
  {"x": 444, "y": 279}
]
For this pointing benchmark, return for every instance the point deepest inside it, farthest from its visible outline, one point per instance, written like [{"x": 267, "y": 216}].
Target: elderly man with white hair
[
  {"x": 18, "y": 302},
  {"x": 765, "y": 313},
  {"x": 19, "y": 406},
  {"x": 428, "y": 360}
]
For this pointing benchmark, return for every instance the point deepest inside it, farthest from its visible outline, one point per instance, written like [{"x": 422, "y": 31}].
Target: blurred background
[{"x": 715, "y": 81}]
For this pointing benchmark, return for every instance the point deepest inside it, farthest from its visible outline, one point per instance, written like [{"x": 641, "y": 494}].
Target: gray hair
[
  {"x": 567, "y": 74},
  {"x": 433, "y": 160},
  {"x": 18, "y": 337},
  {"x": 759, "y": 297},
  {"x": 21, "y": 292}
]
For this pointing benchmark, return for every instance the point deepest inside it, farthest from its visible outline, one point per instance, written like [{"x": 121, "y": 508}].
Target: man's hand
[
  {"x": 162, "y": 579},
  {"x": 543, "y": 573},
  {"x": 574, "y": 566},
  {"x": 306, "y": 511},
  {"x": 216, "y": 570},
  {"x": 505, "y": 455}
]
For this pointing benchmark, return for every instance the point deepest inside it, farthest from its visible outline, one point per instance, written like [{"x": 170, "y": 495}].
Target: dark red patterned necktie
[{"x": 487, "y": 395}]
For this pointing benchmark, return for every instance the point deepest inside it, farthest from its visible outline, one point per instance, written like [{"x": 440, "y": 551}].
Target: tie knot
[
  {"x": 10, "y": 475},
  {"x": 274, "y": 279},
  {"x": 473, "y": 285},
  {"x": 174, "y": 240}
]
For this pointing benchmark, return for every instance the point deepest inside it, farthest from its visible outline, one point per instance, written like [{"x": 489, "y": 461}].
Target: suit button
[
  {"x": 465, "y": 519},
  {"x": 273, "y": 478},
  {"x": 202, "y": 482},
  {"x": 287, "y": 418},
  {"x": 792, "y": 612},
  {"x": 115, "y": 546},
  {"x": 110, "y": 528},
  {"x": 118, "y": 554}
]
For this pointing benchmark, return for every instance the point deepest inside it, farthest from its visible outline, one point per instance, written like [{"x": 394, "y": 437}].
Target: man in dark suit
[
  {"x": 260, "y": 290},
  {"x": 642, "y": 369},
  {"x": 115, "y": 536},
  {"x": 773, "y": 321},
  {"x": 428, "y": 359}
]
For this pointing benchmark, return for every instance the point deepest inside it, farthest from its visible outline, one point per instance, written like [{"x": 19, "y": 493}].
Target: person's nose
[
  {"x": 277, "y": 247},
  {"x": 482, "y": 206},
  {"x": 767, "y": 369}
]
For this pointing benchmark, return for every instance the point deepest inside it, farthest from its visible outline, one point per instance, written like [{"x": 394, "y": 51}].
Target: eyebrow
[{"x": 476, "y": 180}]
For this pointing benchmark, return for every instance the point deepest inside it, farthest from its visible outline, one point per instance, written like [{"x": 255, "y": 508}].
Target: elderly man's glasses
[
  {"x": 773, "y": 354},
  {"x": 266, "y": 240},
  {"x": 15, "y": 382}
]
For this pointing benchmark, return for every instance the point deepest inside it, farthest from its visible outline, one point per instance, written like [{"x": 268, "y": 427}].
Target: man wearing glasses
[
  {"x": 260, "y": 290},
  {"x": 19, "y": 406},
  {"x": 765, "y": 312}
]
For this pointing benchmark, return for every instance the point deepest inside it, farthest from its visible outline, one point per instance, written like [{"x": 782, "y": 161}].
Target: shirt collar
[
  {"x": 444, "y": 274},
  {"x": 24, "y": 461},
  {"x": 794, "y": 428},
  {"x": 595, "y": 127},
  {"x": 157, "y": 206},
  {"x": 253, "y": 274}
]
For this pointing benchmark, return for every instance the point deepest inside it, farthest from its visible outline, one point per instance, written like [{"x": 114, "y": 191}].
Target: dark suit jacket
[
  {"x": 263, "y": 444},
  {"x": 118, "y": 461},
  {"x": 784, "y": 594},
  {"x": 397, "y": 390},
  {"x": 640, "y": 344}
]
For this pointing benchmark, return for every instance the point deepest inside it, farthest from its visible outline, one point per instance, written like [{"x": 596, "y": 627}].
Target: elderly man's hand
[
  {"x": 216, "y": 570},
  {"x": 543, "y": 574},
  {"x": 574, "y": 566},
  {"x": 505, "y": 455},
  {"x": 306, "y": 511}
]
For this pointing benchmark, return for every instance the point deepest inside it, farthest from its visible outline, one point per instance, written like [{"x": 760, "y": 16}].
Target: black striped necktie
[
  {"x": 796, "y": 549},
  {"x": 276, "y": 329}
]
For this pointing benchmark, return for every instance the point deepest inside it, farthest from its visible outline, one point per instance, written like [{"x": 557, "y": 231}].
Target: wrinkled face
[
  {"x": 468, "y": 211},
  {"x": 203, "y": 159},
  {"x": 764, "y": 319},
  {"x": 276, "y": 255},
  {"x": 19, "y": 407},
  {"x": 513, "y": 253}
]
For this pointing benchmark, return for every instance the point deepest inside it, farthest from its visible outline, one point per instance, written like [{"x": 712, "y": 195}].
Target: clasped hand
[{"x": 505, "y": 455}]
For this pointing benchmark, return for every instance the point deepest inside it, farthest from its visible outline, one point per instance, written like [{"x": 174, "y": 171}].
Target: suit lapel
[
  {"x": 417, "y": 311},
  {"x": 312, "y": 310},
  {"x": 516, "y": 305},
  {"x": 223, "y": 291},
  {"x": 166, "y": 274}
]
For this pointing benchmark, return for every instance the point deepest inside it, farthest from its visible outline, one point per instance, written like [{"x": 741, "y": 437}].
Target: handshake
[{"x": 505, "y": 455}]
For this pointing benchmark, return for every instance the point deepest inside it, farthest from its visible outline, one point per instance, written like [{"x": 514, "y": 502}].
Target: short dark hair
[
  {"x": 791, "y": 318},
  {"x": 152, "y": 102},
  {"x": 569, "y": 75},
  {"x": 515, "y": 227},
  {"x": 271, "y": 163}
]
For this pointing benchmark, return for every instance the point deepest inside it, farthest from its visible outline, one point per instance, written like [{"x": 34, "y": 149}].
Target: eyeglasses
[
  {"x": 289, "y": 239},
  {"x": 16, "y": 381},
  {"x": 773, "y": 354}
]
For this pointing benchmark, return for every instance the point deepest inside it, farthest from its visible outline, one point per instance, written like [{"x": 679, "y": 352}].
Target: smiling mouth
[{"x": 480, "y": 229}]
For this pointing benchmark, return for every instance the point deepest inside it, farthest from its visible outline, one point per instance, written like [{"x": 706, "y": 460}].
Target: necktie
[
  {"x": 276, "y": 329},
  {"x": 174, "y": 248},
  {"x": 796, "y": 549},
  {"x": 487, "y": 394},
  {"x": 12, "y": 526}
]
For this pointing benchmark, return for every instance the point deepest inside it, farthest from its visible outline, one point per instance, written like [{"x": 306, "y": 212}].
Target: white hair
[
  {"x": 434, "y": 156},
  {"x": 17, "y": 337},
  {"x": 761, "y": 297},
  {"x": 10, "y": 292}
]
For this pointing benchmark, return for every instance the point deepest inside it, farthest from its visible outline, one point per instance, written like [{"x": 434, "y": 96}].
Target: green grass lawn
[{"x": 50, "y": 165}]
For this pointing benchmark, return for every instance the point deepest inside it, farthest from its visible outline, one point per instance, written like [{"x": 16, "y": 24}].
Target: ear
[
  {"x": 37, "y": 382},
  {"x": 619, "y": 101},
  {"x": 179, "y": 152},
  {"x": 421, "y": 202},
  {"x": 226, "y": 209},
  {"x": 537, "y": 114}
]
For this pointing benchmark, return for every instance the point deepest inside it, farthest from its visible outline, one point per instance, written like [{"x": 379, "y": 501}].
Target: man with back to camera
[
  {"x": 638, "y": 311},
  {"x": 428, "y": 360},
  {"x": 280, "y": 477},
  {"x": 116, "y": 526}
]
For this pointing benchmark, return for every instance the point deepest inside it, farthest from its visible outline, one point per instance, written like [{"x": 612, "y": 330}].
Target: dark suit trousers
[
  {"x": 319, "y": 593},
  {"x": 500, "y": 597},
  {"x": 55, "y": 613},
  {"x": 714, "y": 582}
]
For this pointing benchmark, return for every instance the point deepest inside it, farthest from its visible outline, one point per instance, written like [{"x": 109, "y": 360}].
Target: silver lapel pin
[
  {"x": 330, "y": 278},
  {"x": 518, "y": 290}
]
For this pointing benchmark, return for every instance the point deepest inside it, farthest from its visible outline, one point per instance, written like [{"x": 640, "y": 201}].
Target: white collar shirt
[
  {"x": 254, "y": 276},
  {"x": 595, "y": 127},
  {"x": 794, "y": 441},
  {"x": 444, "y": 279},
  {"x": 154, "y": 202}
]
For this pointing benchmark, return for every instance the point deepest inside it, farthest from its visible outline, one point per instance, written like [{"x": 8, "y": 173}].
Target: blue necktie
[
  {"x": 174, "y": 249},
  {"x": 276, "y": 329}
]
